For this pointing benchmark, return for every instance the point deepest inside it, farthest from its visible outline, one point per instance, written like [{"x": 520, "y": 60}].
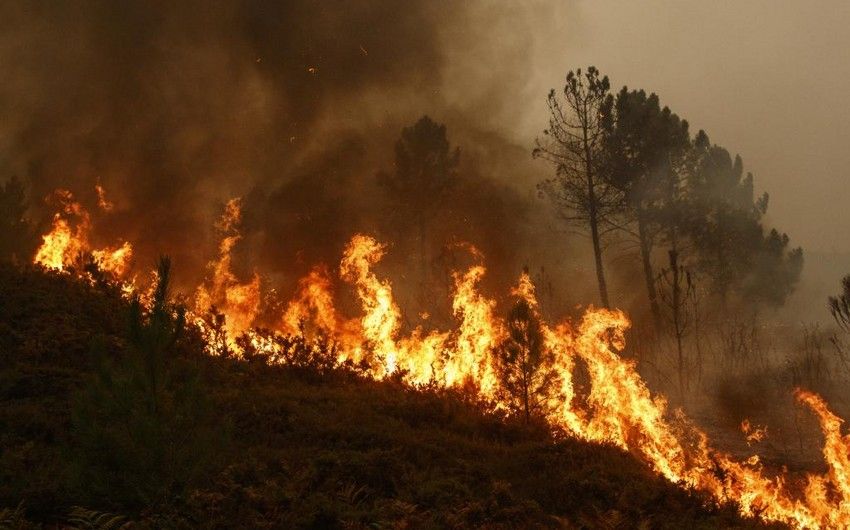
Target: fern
[
  {"x": 14, "y": 519},
  {"x": 83, "y": 519},
  {"x": 352, "y": 495}
]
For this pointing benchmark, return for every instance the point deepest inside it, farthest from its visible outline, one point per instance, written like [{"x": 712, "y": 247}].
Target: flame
[
  {"x": 61, "y": 246},
  {"x": 751, "y": 433},
  {"x": 618, "y": 408},
  {"x": 479, "y": 332},
  {"x": 114, "y": 260},
  {"x": 58, "y": 246},
  {"x": 105, "y": 204},
  {"x": 615, "y": 406},
  {"x": 239, "y": 302},
  {"x": 312, "y": 304},
  {"x": 68, "y": 239},
  {"x": 381, "y": 319}
]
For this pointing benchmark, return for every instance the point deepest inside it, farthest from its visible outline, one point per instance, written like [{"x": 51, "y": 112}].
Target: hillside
[{"x": 257, "y": 446}]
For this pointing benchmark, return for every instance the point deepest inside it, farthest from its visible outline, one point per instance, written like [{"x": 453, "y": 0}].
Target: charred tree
[
  {"x": 839, "y": 306},
  {"x": 17, "y": 241}
]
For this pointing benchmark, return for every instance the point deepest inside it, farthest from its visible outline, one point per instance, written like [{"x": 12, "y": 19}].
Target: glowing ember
[
  {"x": 753, "y": 434},
  {"x": 105, "y": 204}
]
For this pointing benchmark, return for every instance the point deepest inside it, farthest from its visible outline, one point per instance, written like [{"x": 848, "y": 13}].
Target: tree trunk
[
  {"x": 594, "y": 221},
  {"x": 649, "y": 277},
  {"x": 697, "y": 339},
  {"x": 423, "y": 267},
  {"x": 526, "y": 389},
  {"x": 677, "y": 316},
  {"x": 597, "y": 254}
]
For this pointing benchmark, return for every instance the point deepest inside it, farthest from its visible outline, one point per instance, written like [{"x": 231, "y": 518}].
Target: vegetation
[
  {"x": 626, "y": 164},
  {"x": 573, "y": 144},
  {"x": 116, "y": 413},
  {"x": 309, "y": 447},
  {"x": 523, "y": 362},
  {"x": 142, "y": 425},
  {"x": 18, "y": 240},
  {"x": 425, "y": 171}
]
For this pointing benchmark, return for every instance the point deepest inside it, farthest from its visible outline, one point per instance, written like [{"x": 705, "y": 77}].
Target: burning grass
[
  {"x": 308, "y": 446},
  {"x": 617, "y": 408}
]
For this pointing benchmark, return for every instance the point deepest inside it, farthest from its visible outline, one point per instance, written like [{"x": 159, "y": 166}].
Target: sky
[{"x": 766, "y": 79}]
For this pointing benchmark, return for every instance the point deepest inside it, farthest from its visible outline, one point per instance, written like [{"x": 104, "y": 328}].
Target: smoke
[{"x": 293, "y": 105}]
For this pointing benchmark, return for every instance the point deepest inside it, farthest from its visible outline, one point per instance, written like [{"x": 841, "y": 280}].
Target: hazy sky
[
  {"x": 176, "y": 108},
  {"x": 766, "y": 79}
]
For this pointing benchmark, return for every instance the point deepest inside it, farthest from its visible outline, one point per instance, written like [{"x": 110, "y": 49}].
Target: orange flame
[
  {"x": 751, "y": 433},
  {"x": 618, "y": 409},
  {"x": 312, "y": 304},
  {"x": 239, "y": 302},
  {"x": 617, "y": 406},
  {"x": 381, "y": 319},
  {"x": 69, "y": 238}
]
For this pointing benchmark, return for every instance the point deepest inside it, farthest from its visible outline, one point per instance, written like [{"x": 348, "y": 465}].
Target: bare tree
[
  {"x": 572, "y": 144},
  {"x": 676, "y": 288},
  {"x": 839, "y": 305}
]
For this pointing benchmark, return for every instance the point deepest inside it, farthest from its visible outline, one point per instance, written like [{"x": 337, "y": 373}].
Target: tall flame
[
  {"x": 239, "y": 302},
  {"x": 616, "y": 406}
]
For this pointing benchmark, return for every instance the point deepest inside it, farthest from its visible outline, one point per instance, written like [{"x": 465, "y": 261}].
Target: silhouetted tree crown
[
  {"x": 645, "y": 148},
  {"x": 424, "y": 173},
  {"x": 425, "y": 167},
  {"x": 17, "y": 241},
  {"x": 694, "y": 198},
  {"x": 732, "y": 247}
]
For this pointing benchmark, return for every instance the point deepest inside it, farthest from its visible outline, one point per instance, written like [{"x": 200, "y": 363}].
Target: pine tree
[
  {"x": 523, "y": 363},
  {"x": 573, "y": 144},
  {"x": 142, "y": 428}
]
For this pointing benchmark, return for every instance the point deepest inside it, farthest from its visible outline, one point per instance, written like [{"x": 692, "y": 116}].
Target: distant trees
[
  {"x": 16, "y": 236},
  {"x": 645, "y": 148},
  {"x": 573, "y": 144},
  {"x": 523, "y": 363},
  {"x": 731, "y": 246},
  {"x": 625, "y": 163},
  {"x": 425, "y": 170}
]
